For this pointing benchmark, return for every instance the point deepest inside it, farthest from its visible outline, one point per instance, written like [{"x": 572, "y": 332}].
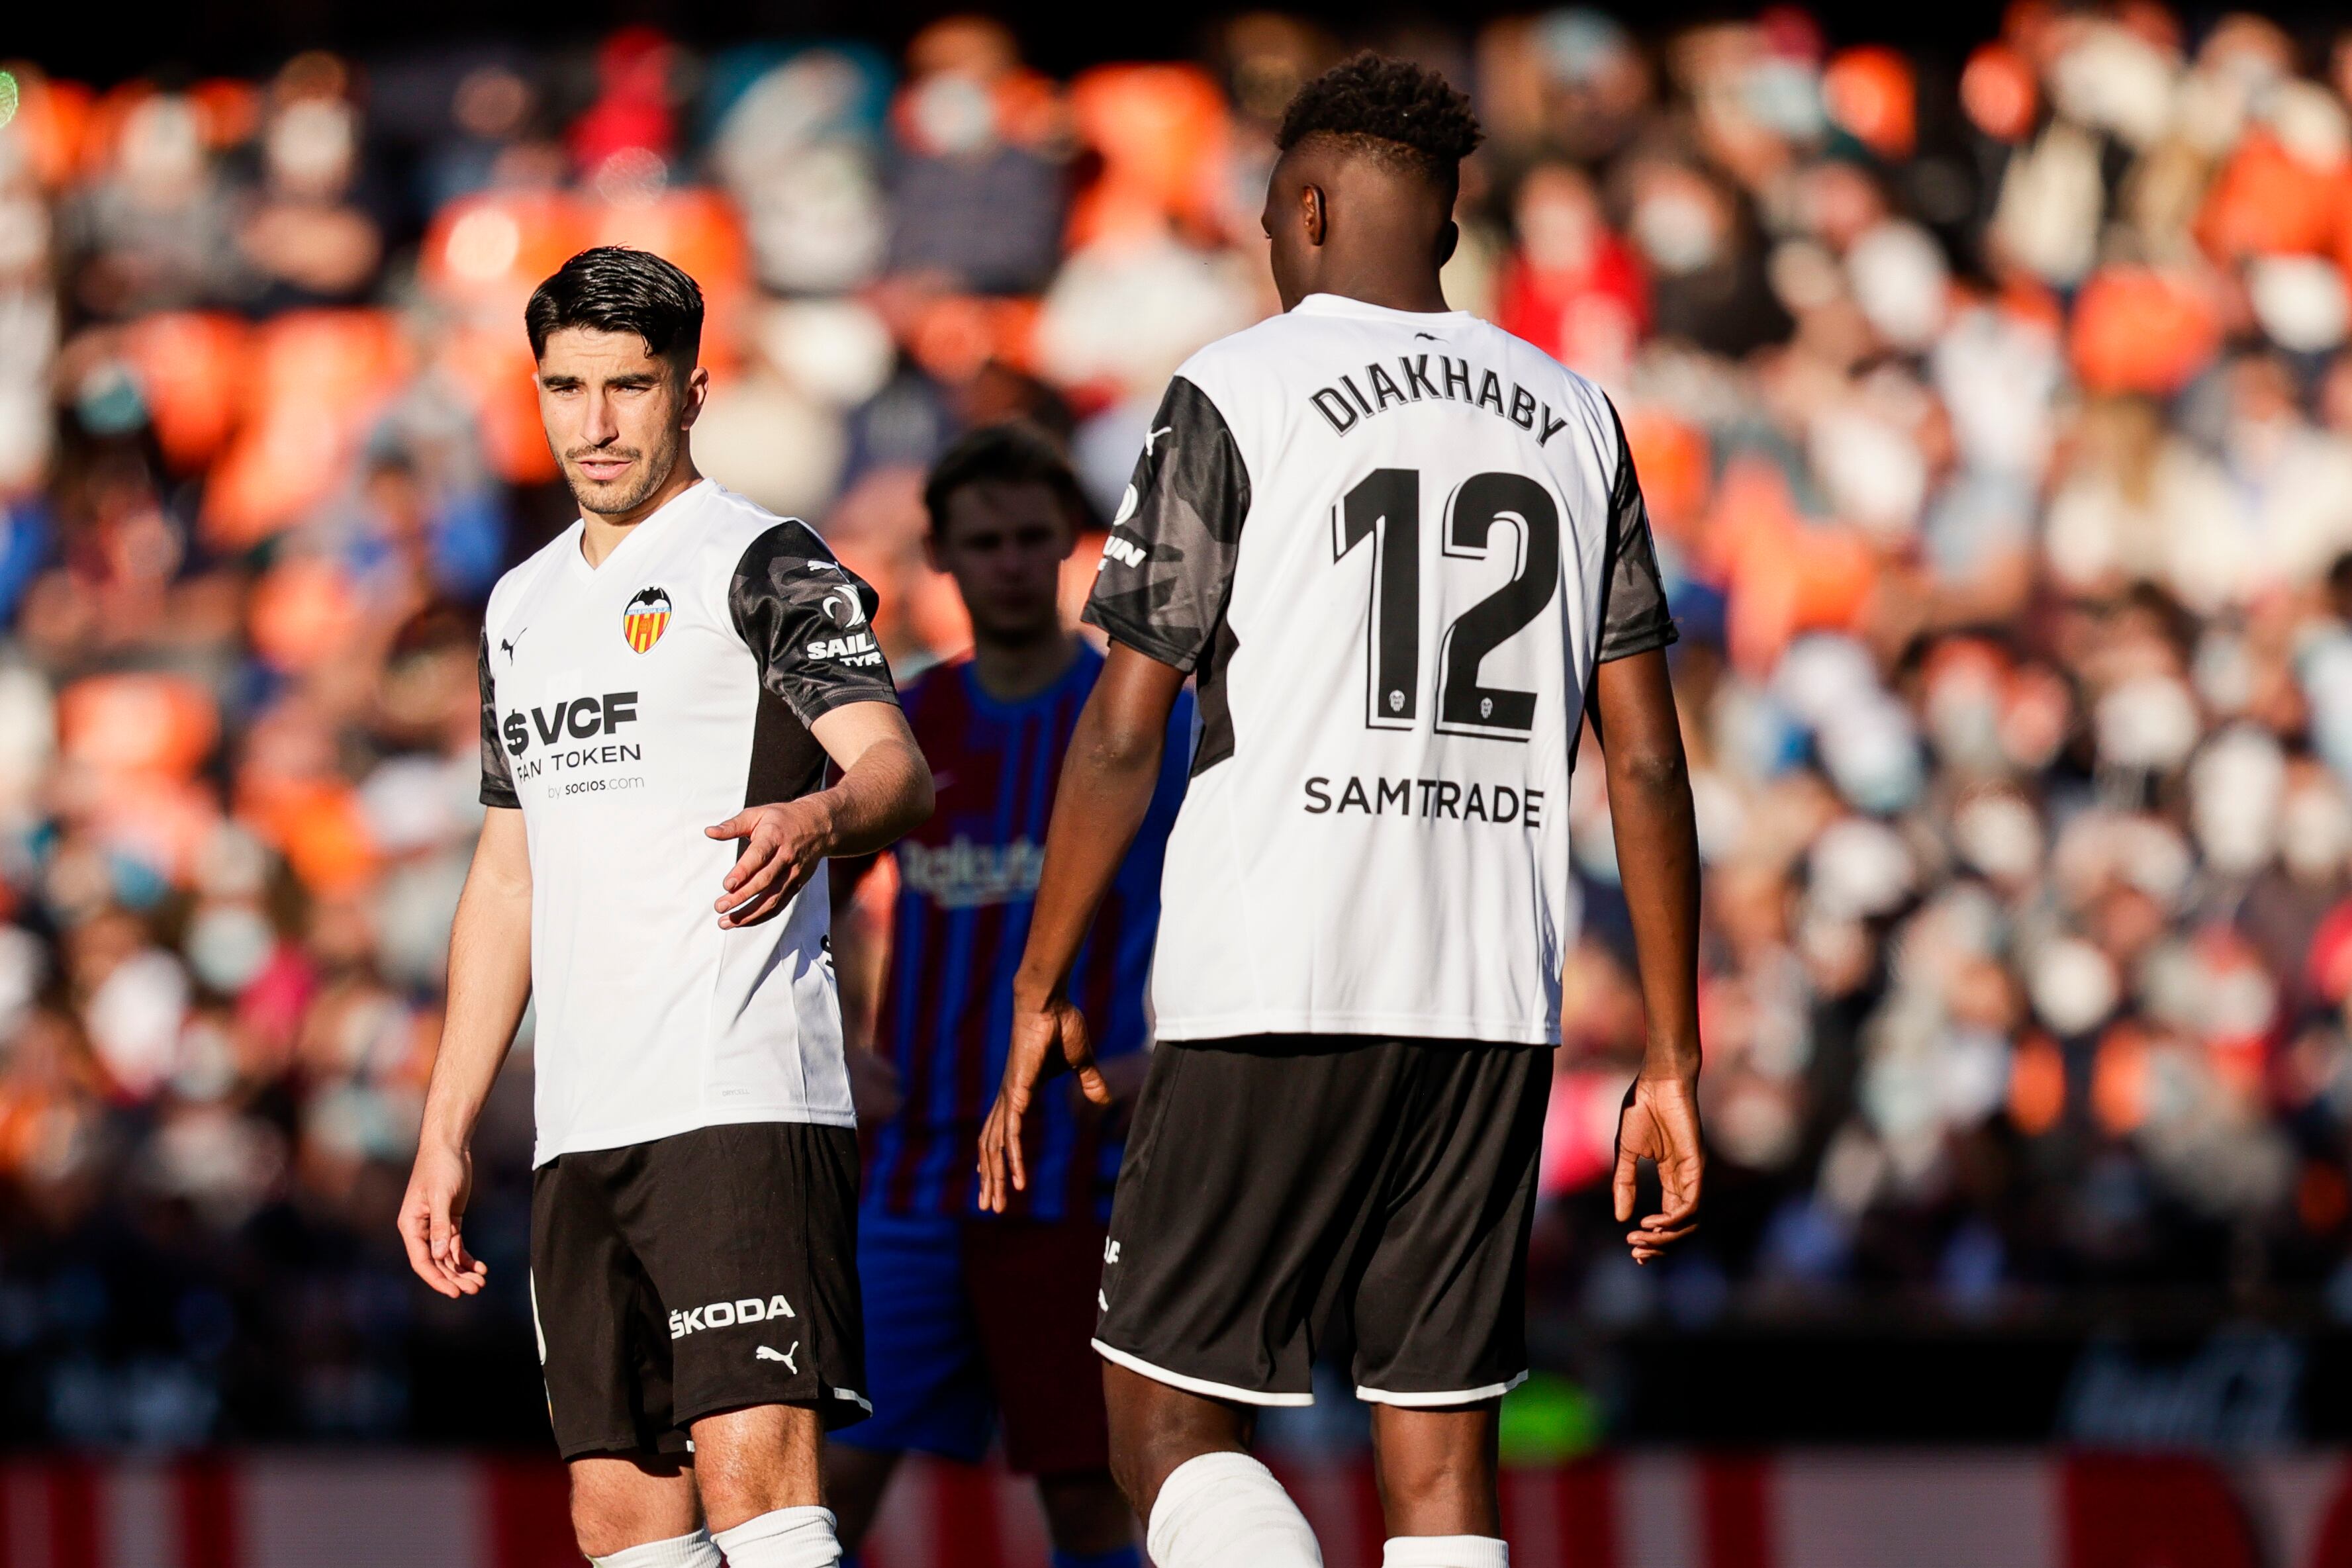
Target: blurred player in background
[
  {"x": 969, "y": 1316},
  {"x": 1405, "y": 554},
  {"x": 669, "y": 676}
]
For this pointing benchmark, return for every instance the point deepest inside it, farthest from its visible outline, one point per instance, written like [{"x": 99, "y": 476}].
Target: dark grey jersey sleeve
[
  {"x": 1168, "y": 566},
  {"x": 498, "y": 775},
  {"x": 1633, "y": 618},
  {"x": 810, "y": 623}
]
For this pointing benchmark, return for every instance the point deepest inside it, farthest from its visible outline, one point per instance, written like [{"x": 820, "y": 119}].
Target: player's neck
[
  {"x": 602, "y": 532},
  {"x": 1009, "y": 669},
  {"x": 1387, "y": 287}
]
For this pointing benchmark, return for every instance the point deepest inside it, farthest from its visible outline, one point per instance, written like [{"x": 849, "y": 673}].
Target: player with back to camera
[
  {"x": 976, "y": 1321},
  {"x": 1405, "y": 554},
  {"x": 663, "y": 686}
]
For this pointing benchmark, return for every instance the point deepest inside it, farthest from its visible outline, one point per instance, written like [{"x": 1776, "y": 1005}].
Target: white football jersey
[
  {"x": 1393, "y": 546},
  {"x": 626, "y": 707}
]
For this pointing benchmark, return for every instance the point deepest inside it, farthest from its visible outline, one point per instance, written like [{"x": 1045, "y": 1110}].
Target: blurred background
[{"x": 1986, "y": 374}]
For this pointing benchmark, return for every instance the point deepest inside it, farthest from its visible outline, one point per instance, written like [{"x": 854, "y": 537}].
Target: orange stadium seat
[
  {"x": 2138, "y": 329},
  {"x": 143, "y": 722},
  {"x": 484, "y": 253},
  {"x": 192, "y": 365},
  {"x": 1162, "y": 132},
  {"x": 318, "y": 376}
]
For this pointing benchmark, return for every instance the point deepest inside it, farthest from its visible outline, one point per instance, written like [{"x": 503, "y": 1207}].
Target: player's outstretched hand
[
  {"x": 1659, "y": 1122},
  {"x": 1046, "y": 1039},
  {"x": 784, "y": 845},
  {"x": 430, "y": 1218}
]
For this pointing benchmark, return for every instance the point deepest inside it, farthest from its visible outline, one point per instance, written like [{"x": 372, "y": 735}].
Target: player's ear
[
  {"x": 1449, "y": 238},
  {"x": 698, "y": 389},
  {"x": 932, "y": 548},
  {"x": 1312, "y": 214}
]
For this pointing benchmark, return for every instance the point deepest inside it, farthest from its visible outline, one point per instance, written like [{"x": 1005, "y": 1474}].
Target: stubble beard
[{"x": 625, "y": 495}]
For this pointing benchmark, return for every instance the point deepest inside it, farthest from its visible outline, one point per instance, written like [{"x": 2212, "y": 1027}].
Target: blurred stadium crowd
[{"x": 1996, "y": 419}]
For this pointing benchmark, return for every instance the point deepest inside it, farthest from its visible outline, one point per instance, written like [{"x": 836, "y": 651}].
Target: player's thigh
[
  {"x": 756, "y": 1459},
  {"x": 925, "y": 1372},
  {"x": 749, "y": 1234},
  {"x": 603, "y": 1348},
  {"x": 1440, "y": 1310},
  {"x": 1250, "y": 1175},
  {"x": 620, "y": 1500},
  {"x": 1032, "y": 1287}
]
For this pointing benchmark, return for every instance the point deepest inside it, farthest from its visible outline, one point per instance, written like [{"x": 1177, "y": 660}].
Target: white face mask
[
  {"x": 1676, "y": 230},
  {"x": 228, "y": 944}
]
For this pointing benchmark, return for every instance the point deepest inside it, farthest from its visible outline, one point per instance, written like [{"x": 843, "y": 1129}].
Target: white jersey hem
[
  {"x": 1201, "y": 1386},
  {"x": 693, "y": 1121},
  {"x": 1384, "y": 1026}
]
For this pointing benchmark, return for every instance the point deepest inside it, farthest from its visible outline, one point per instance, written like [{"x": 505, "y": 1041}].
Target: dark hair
[
  {"x": 613, "y": 288},
  {"x": 1015, "y": 453},
  {"x": 1392, "y": 109}
]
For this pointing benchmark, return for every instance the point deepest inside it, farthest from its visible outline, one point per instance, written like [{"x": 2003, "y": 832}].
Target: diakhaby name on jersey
[
  {"x": 1344, "y": 405},
  {"x": 1436, "y": 798},
  {"x": 728, "y": 1314}
]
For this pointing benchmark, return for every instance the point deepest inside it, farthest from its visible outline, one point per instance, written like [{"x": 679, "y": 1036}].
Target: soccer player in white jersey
[
  {"x": 1404, "y": 554},
  {"x": 663, "y": 686}
]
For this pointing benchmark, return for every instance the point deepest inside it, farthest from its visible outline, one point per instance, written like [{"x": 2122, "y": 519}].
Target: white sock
[
  {"x": 694, "y": 1551},
  {"x": 785, "y": 1538},
  {"x": 1224, "y": 1509},
  {"x": 1445, "y": 1552}
]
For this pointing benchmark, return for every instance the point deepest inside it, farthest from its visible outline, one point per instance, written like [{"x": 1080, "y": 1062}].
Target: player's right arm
[
  {"x": 489, "y": 981},
  {"x": 1109, "y": 777},
  {"x": 1161, "y": 595}
]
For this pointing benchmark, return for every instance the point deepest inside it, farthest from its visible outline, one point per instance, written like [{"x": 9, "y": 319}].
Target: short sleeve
[
  {"x": 1168, "y": 567},
  {"x": 1633, "y": 617},
  {"x": 809, "y": 621},
  {"x": 498, "y": 775}
]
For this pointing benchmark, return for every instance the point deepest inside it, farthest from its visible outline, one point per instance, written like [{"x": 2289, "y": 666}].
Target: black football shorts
[
  {"x": 703, "y": 1273},
  {"x": 1279, "y": 1189}
]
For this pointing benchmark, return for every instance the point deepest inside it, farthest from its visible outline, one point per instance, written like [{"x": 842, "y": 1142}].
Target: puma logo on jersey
[
  {"x": 507, "y": 644},
  {"x": 856, "y": 649},
  {"x": 729, "y": 1315},
  {"x": 764, "y": 1354},
  {"x": 1152, "y": 440},
  {"x": 1127, "y": 552}
]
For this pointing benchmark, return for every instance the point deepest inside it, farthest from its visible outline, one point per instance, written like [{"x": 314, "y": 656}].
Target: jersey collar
[
  {"x": 1363, "y": 310},
  {"x": 668, "y": 509}
]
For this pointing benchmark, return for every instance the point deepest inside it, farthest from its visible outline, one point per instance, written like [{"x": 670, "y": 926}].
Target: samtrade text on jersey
[
  {"x": 1345, "y": 406},
  {"x": 1426, "y": 797}
]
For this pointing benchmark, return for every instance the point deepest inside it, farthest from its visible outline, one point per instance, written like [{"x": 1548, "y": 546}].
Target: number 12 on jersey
[{"x": 1385, "y": 507}]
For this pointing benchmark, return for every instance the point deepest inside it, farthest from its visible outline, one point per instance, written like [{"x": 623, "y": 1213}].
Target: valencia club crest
[{"x": 645, "y": 619}]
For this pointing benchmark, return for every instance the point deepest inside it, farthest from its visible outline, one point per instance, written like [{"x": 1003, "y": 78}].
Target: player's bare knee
[
  {"x": 620, "y": 1502},
  {"x": 753, "y": 1461}
]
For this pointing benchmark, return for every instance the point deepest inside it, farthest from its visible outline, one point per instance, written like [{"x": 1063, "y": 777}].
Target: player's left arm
[
  {"x": 809, "y": 623},
  {"x": 1634, "y": 718},
  {"x": 884, "y": 792}
]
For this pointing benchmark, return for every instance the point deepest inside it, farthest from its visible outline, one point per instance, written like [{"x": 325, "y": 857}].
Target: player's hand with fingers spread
[
  {"x": 1659, "y": 1122},
  {"x": 430, "y": 1215},
  {"x": 1047, "y": 1036},
  {"x": 783, "y": 846}
]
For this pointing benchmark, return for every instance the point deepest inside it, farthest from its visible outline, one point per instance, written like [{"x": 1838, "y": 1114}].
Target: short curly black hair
[{"x": 1393, "y": 110}]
